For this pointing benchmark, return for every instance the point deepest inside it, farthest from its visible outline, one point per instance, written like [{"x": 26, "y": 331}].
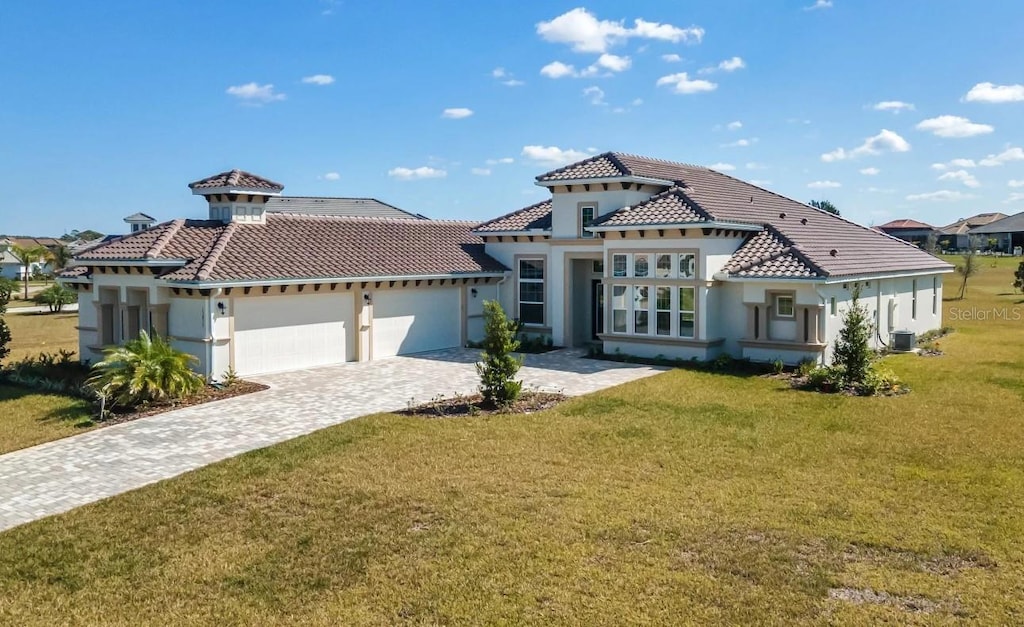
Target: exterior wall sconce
[
  {"x": 367, "y": 299},
  {"x": 472, "y": 291},
  {"x": 222, "y": 308}
]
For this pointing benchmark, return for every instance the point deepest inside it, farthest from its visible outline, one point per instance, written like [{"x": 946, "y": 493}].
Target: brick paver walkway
[{"x": 60, "y": 475}]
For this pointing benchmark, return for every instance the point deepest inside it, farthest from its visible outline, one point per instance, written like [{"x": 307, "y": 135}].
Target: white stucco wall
[
  {"x": 188, "y": 328},
  {"x": 565, "y": 207},
  {"x": 475, "y": 309}
]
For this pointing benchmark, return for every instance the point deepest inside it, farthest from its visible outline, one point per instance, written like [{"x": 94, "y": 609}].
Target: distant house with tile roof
[
  {"x": 909, "y": 231},
  {"x": 957, "y": 236},
  {"x": 1007, "y": 231},
  {"x": 644, "y": 256}
]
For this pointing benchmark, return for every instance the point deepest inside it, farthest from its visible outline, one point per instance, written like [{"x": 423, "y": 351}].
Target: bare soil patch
[{"x": 474, "y": 405}]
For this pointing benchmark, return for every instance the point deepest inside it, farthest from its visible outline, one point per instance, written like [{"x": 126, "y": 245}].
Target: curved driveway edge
[{"x": 58, "y": 476}]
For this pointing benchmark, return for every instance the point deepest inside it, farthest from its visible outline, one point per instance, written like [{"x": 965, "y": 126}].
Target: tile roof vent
[
  {"x": 782, "y": 216},
  {"x": 834, "y": 252},
  {"x": 803, "y": 220}
]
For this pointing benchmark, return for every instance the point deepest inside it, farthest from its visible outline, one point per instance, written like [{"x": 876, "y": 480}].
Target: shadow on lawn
[{"x": 76, "y": 411}]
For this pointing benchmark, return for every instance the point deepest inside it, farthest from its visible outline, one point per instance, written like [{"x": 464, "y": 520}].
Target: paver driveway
[{"x": 60, "y": 475}]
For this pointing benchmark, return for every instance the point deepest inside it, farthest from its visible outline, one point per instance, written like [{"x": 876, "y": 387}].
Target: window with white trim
[
  {"x": 531, "y": 291},
  {"x": 913, "y": 299},
  {"x": 687, "y": 312},
  {"x": 663, "y": 310},
  {"x": 935, "y": 295},
  {"x": 687, "y": 265},
  {"x": 784, "y": 306},
  {"x": 587, "y": 215},
  {"x": 641, "y": 265},
  {"x": 663, "y": 266},
  {"x": 620, "y": 309},
  {"x": 832, "y": 307},
  {"x": 620, "y": 265},
  {"x": 641, "y": 309}
]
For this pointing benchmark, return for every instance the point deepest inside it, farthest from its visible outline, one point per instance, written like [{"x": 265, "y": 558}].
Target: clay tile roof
[
  {"x": 238, "y": 179},
  {"x": 1009, "y": 224},
  {"x": 669, "y": 207},
  {"x": 530, "y": 218},
  {"x": 140, "y": 217},
  {"x": 962, "y": 226},
  {"x": 305, "y": 247},
  {"x": 768, "y": 254},
  {"x": 617, "y": 164},
  {"x": 905, "y": 224}
]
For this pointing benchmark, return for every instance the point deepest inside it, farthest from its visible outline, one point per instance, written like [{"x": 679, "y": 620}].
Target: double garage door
[{"x": 280, "y": 333}]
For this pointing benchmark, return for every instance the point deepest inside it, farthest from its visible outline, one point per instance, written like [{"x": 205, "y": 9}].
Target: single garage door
[
  {"x": 412, "y": 321},
  {"x": 279, "y": 333}
]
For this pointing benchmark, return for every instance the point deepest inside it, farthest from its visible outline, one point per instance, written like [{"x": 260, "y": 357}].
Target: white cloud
[
  {"x": 761, "y": 182},
  {"x": 255, "y": 93},
  {"x": 502, "y": 160},
  {"x": 581, "y": 30},
  {"x": 456, "y": 113},
  {"x": 734, "y": 126},
  {"x": 613, "y": 62},
  {"x": 682, "y": 84},
  {"x": 819, "y": 4},
  {"x": 722, "y": 167},
  {"x": 944, "y": 195},
  {"x": 318, "y": 79},
  {"x": 1010, "y": 154},
  {"x": 637, "y": 102},
  {"x": 879, "y": 190},
  {"x": 671, "y": 58},
  {"x": 509, "y": 80},
  {"x": 557, "y": 69},
  {"x": 893, "y": 105},
  {"x": 741, "y": 143},
  {"x": 552, "y": 155},
  {"x": 1014, "y": 197},
  {"x": 885, "y": 140},
  {"x": 953, "y": 126},
  {"x": 990, "y": 92},
  {"x": 869, "y": 171},
  {"x": 729, "y": 65},
  {"x": 753, "y": 165},
  {"x": 422, "y": 172},
  {"x": 824, "y": 185},
  {"x": 963, "y": 176},
  {"x": 1015, "y": 183},
  {"x": 955, "y": 163},
  {"x": 595, "y": 94},
  {"x": 332, "y": 176},
  {"x": 481, "y": 171},
  {"x": 499, "y": 72}
]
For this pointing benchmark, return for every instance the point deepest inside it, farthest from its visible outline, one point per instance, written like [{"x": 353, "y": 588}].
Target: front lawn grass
[
  {"x": 28, "y": 418},
  {"x": 689, "y": 497}
]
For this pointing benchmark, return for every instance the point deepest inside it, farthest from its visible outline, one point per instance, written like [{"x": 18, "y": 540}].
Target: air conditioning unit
[{"x": 904, "y": 341}]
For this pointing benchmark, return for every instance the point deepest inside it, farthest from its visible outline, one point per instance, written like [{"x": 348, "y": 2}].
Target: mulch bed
[
  {"x": 207, "y": 395},
  {"x": 474, "y": 405}
]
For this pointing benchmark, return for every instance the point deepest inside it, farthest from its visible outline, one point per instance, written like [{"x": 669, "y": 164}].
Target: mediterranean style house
[{"x": 630, "y": 254}]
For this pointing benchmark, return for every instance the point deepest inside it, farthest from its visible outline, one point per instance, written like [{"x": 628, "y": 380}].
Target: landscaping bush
[
  {"x": 51, "y": 372},
  {"x": 1018, "y": 277},
  {"x": 499, "y": 366},
  {"x": 7, "y": 288},
  {"x": 55, "y": 297},
  {"x": 853, "y": 346},
  {"x": 143, "y": 371},
  {"x": 5, "y": 331}
]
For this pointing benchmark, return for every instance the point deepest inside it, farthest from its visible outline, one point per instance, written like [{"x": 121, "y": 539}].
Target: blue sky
[{"x": 111, "y": 108}]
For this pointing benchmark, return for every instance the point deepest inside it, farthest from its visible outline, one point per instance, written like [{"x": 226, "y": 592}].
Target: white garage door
[
  {"x": 412, "y": 321},
  {"x": 279, "y": 333}
]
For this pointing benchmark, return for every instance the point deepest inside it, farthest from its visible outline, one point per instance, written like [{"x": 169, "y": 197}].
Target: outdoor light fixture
[
  {"x": 366, "y": 298},
  {"x": 472, "y": 291},
  {"x": 222, "y": 308}
]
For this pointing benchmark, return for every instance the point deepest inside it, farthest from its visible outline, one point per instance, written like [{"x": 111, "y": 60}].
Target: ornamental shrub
[{"x": 499, "y": 364}]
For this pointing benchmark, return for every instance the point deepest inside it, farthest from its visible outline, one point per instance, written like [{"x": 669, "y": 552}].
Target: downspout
[
  {"x": 824, "y": 306},
  {"x": 214, "y": 294}
]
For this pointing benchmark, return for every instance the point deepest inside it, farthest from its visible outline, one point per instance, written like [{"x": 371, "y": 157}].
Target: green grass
[
  {"x": 686, "y": 497},
  {"x": 27, "y": 419}
]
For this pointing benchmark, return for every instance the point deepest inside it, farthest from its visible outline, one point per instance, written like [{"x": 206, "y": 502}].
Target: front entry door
[{"x": 596, "y": 307}]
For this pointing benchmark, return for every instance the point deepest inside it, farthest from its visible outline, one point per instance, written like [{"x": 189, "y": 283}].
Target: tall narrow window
[
  {"x": 687, "y": 266},
  {"x": 531, "y": 291},
  {"x": 641, "y": 309},
  {"x": 663, "y": 266},
  {"x": 641, "y": 265},
  {"x": 935, "y": 295},
  {"x": 913, "y": 300},
  {"x": 620, "y": 309},
  {"x": 587, "y": 215},
  {"x": 620, "y": 265},
  {"x": 686, "y": 312},
  {"x": 663, "y": 310},
  {"x": 134, "y": 320},
  {"x": 832, "y": 306},
  {"x": 107, "y": 325}
]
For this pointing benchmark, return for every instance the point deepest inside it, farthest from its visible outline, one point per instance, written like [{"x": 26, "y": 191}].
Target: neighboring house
[
  {"x": 10, "y": 267},
  {"x": 909, "y": 231},
  {"x": 140, "y": 221},
  {"x": 1008, "y": 233},
  {"x": 957, "y": 235},
  {"x": 631, "y": 254}
]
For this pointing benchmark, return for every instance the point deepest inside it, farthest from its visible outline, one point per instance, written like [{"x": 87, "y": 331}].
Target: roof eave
[
  {"x": 605, "y": 179},
  {"x": 321, "y": 280},
  {"x": 714, "y": 224},
  {"x": 534, "y": 232},
  {"x": 236, "y": 189}
]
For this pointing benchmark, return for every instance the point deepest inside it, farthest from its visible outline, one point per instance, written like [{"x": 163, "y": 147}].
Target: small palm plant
[{"x": 145, "y": 370}]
